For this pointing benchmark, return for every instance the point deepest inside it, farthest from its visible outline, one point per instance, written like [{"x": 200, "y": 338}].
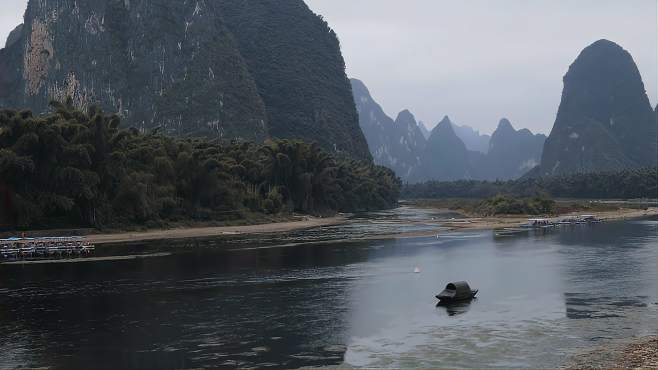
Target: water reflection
[
  {"x": 454, "y": 309},
  {"x": 586, "y": 306},
  {"x": 541, "y": 297}
]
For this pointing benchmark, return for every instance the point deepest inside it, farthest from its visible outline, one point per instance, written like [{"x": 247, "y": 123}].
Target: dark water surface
[{"x": 263, "y": 302}]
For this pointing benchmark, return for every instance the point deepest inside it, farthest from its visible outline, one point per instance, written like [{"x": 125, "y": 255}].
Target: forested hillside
[
  {"x": 73, "y": 169},
  {"x": 627, "y": 184},
  {"x": 220, "y": 69},
  {"x": 297, "y": 64}
]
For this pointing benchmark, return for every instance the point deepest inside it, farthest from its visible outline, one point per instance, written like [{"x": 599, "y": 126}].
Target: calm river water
[{"x": 274, "y": 303}]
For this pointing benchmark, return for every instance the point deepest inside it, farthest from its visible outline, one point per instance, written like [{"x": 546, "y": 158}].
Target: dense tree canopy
[
  {"x": 72, "y": 168},
  {"x": 627, "y": 184}
]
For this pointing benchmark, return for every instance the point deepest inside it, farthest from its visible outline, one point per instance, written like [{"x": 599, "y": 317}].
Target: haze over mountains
[
  {"x": 229, "y": 69},
  {"x": 605, "y": 123},
  {"x": 444, "y": 155},
  {"x": 395, "y": 144},
  {"x": 472, "y": 138}
]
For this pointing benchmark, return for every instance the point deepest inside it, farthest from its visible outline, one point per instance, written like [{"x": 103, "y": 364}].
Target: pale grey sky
[{"x": 474, "y": 60}]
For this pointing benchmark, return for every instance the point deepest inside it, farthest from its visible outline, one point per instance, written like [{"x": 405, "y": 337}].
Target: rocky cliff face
[
  {"x": 222, "y": 69},
  {"x": 445, "y": 157},
  {"x": 605, "y": 121},
  {"x": 156, "y": 63},
  {"x": 511, "y": 153},
  {"x": 395, "y": 144}
]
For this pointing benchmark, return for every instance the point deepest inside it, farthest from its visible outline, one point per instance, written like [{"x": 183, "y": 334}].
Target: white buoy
[{"x": 417, "y": 270}]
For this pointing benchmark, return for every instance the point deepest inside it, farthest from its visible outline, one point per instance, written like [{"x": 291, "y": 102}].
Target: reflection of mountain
[
  {"x": 609, "y": 273},
  {"x": 593, "y": 306},
  {"x": 182, "y": 311}
]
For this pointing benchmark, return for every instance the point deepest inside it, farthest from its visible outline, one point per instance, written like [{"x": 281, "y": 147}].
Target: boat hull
[{"x": 443, "y": 300}]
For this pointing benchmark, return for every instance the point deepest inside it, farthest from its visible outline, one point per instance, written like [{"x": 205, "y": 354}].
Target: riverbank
[
  {"x": 434, "y": 226},
  {"x": 305, "y": 222},
  {"x": 627, "y": 354},
  {"x": 501, "y": 222}
]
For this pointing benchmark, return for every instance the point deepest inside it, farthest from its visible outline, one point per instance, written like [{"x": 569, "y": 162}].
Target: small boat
[
  {"x": 456, "y": 292},
  {"x": 538, "y": 223},
  {"x": 589, "y": 219}
]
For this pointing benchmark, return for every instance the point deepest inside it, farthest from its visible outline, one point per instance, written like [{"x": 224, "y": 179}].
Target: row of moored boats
[
  {"x": 538, "y": 223},
  {"x": 44, "y": 248},
  {"x": 548, "y": 223}
]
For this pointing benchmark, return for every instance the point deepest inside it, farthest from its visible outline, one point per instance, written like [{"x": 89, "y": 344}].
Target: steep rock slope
[
  {"x": 156, "y": 63},
  {"x": 424, "y": 130},
  {"x": 411, "y": 140},
  {"x": 605, "y": 120},
  {"x": 299, "y": 70},
  {"x": 395, "y": 144},
  {"x": 511, "y": 153}
]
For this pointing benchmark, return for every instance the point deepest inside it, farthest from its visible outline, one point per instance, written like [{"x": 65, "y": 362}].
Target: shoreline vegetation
[{"x": 73, "y": 169}]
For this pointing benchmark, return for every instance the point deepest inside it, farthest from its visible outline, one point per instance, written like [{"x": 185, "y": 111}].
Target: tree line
[
  {"x": 71, "y": 168},
  {"x": 627, "y": 184}
]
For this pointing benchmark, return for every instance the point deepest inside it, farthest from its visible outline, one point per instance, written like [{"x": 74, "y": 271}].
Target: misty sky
[{"x": 474, "y": 60}]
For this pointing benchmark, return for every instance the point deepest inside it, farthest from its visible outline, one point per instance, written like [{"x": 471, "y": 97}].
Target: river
[{"x": 310, "y": 298}]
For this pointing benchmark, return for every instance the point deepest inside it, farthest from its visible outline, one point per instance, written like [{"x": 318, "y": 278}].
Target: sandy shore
[
  {"x": 508, "y": 221},
  {"x": 489, "y": 223},
  {"x": 626, "y": 354},
  {"x": 197, "y": 232}
]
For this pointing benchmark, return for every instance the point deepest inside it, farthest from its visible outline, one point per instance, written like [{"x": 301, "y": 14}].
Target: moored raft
[{"x": 44, "y": 248}]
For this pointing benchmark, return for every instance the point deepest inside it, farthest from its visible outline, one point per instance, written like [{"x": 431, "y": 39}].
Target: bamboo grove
[{"x": 80, "y": 169}]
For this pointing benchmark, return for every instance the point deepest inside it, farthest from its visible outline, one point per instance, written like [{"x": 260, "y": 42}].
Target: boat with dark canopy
[{"x": 458, "y": 291}]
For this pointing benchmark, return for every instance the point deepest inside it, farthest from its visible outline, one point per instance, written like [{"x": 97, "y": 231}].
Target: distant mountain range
[
  {"x": 511, "y": 153},
  {"x": 395, "y": 144},
  {"x": 604, "y": 123},
  {"x": 443, "y": 154},
  {"x": 227, "y": 69},
  {"x": 472, "y": 138}
]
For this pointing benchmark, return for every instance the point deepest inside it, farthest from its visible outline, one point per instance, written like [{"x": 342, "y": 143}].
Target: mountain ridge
[{"x": 395, "y": 144}]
